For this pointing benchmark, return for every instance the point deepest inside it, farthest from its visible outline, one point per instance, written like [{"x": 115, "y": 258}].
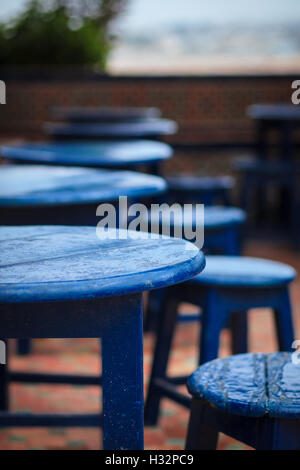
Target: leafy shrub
[{"x": 59, "y": 35}]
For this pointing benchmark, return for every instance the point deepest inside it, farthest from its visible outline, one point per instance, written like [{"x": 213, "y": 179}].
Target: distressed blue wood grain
[
  {"x": 40, "y": 263},
  {"x": 253, "y": 385},
  {"x": 236, "y": 271},
  {"x": 283, "y": 379},
  {"x": 235, "y": 384},
  {"x": 27, "y": 185},
  {"x": 95, "y": 154}
]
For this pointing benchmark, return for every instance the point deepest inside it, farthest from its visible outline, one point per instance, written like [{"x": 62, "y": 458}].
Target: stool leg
[
  {"x": 278, "y": 434},
  {"x": 24, "y": 346},
  {"x": 245, "y": 193},
  {"x": 232, "y": 242},
  {"x": 226, "y": 197},
  {"x": 239, "y": 332},
  {"x": 154, "y": 301},
  {"x": 214, "y": 317},
  {"x": 284, "y": 322},
  {"x": 4, "y": 382},
  {"x": 200, "y": 436},
  {"x": 164, "y": 337}
]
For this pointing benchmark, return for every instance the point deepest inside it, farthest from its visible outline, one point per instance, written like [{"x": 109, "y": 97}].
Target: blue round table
[
  {"x": 38, "y": 194},
  {"x": 142, "y": 129},
  {"x": 65, "y": 282},
  {"x": 104, "y": 114},
  {"x": 109, "y": 154}
]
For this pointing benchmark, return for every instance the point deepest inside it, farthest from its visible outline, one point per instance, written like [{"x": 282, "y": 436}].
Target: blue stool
[
  {"x": 254, "y": 398},
  {"x": 206, "y": 190},
  {"x": 223, "y": 230},
  {"x": 222, "y": 225},
  {"x": 256, "y": 175},
  {"x": 222, "y": 234},
  {"x": 226, "y": 290}
]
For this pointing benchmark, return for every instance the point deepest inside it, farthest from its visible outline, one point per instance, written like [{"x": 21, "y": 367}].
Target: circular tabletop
[
  {"x": 94, "y": 154},
  {"x": 38, "y": 185},
  {"x": 243, "y": 271},
  {"x": 274, "y": 112},
  {"x": 250, "y": 385},
  {"x": 154, "y": 127},
  {"x": 44, "y": 263},
  {"x": 104, "y": 114}
]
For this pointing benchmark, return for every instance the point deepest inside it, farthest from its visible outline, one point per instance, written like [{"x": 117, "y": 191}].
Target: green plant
[{"x": 61, "y": 32}]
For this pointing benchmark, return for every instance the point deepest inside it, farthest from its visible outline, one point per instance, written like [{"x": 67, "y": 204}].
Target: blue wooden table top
[
  {"x": 37, "y": 185},
  {"x": 93, "y": 154},
  {"x": 242, "y": 271},
  {"x": 250, "y": 385},
  {"x": 274, "y": 112},
  {"x": 43, "y": 263},
  {"x": 145, "y": 128},
  {"x": 104, "y": 114}
]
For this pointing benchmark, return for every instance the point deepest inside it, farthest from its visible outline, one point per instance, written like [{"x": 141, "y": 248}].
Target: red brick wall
[{"x": 207, "y": 109}]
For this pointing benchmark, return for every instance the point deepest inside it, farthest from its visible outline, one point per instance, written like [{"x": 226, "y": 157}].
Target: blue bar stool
[
  {"x": 226, "y": 290},
  {"x": 256, "y": 174},
  {"x": 254, "y": 398},
  {"x": 206, "y": 190},
  {"x": 222, "y": 234}
]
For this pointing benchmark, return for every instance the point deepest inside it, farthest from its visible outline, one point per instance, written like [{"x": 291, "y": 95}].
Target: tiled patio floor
[{"x": 81, "y": 356}]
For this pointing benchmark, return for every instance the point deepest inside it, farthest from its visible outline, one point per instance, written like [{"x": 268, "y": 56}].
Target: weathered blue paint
[
  {"x": 65, "y": 282},
  {"x": 104, "y": 114},
  {"x": 109, "y": 154},
  {"x": 146, "y": 128},
  {"x": 254, "y": 398},
  {"x": 36, "y": 185},
  {"x": 225, "y": 296},
  {"x": 243, "y": 271},
  {"x": 235, "y": 384},
  {"x": 40, "y": 194},
  {"x": 60, "y": 263}
]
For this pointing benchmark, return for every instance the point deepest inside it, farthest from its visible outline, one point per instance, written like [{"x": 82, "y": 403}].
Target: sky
[{"x": 147, "y": 14}]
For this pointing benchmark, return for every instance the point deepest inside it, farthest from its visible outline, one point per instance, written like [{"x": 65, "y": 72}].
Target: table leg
[{"x": 122, "y": 376}]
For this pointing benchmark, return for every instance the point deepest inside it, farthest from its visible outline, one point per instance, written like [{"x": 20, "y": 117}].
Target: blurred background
[{"x": 201, "y": 63}]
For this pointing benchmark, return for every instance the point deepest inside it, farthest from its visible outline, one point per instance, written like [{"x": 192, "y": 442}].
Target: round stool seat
[
  {"x": 237, "y": 271},
  {"x": 250, "y": 385},
  {"x": 200, "y": 183},
  {"x": 215, "y": 217}
]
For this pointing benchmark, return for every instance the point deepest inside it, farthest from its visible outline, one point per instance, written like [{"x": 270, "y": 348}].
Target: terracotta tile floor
[{"x": 82, "y": 356}]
